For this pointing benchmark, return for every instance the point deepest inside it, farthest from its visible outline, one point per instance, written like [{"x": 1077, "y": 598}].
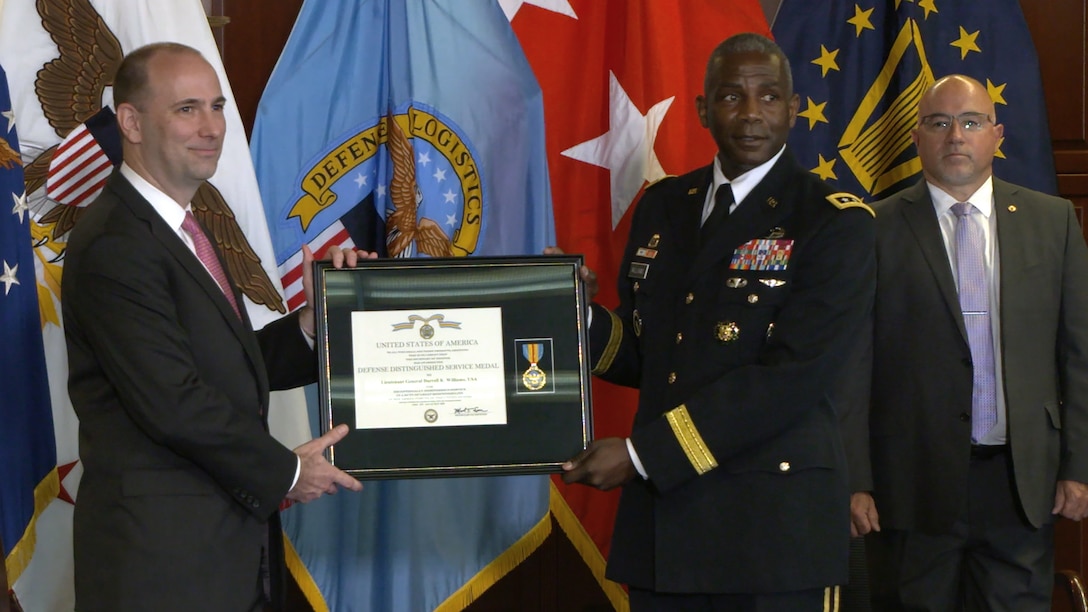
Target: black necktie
[{"x": 723, "y": 199}]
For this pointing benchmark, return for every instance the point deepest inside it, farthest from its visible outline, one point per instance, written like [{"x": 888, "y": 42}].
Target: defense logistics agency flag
[
  {"x": 60, "y": 56},
  {"x": 619, "y": 79},
  {"x": 860, "y": 67},
  {"x": 28, "y": 458},
  {"x": 370, "y": 96}
]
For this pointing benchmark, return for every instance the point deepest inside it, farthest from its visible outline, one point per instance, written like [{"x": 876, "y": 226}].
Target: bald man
[{"x": 976, "y": 435}]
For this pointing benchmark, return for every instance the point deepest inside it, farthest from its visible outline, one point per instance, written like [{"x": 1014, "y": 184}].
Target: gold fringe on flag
[
  {"x": 501, "y": 566},
  {"x": 303, "y": 578},
  {"x": 20, "y": 554},
  {"x": 588, "y": 550}
]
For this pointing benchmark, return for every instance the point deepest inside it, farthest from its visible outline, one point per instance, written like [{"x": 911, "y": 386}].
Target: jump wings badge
[{"x": 534, "y": 378}]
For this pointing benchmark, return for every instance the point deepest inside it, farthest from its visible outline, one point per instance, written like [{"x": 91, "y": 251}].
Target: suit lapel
[
  {"x": 922, "y": 219},
  {"x": 1012, "y": 235},
  {"x": 166, "y": 236},
  {"x": 1012, "y": 254}
]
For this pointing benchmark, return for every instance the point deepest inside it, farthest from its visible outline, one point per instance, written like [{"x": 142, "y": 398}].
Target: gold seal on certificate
[{"x": 534, "y": 378}]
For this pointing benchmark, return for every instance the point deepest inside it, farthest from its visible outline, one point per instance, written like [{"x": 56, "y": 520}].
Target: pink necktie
[{"x": 206, "y": 253}]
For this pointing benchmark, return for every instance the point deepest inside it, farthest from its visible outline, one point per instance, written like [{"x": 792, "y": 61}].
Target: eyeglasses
[{"x": 969, "y": 122}]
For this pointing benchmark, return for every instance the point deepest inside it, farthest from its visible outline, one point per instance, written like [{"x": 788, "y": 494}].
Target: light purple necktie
[
  {"x": 974, "y": 292},
  {"x": 206, "y": 253}
]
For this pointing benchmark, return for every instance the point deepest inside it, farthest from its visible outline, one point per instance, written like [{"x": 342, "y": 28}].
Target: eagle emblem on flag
[{"x": 70, "y": 89}]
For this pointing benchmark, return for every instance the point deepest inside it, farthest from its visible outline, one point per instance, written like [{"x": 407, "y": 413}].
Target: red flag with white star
[{"x": 619, "y": 79}]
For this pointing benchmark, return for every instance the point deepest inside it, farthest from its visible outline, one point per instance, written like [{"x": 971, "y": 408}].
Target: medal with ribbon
[{"x": 534, "y": 378}]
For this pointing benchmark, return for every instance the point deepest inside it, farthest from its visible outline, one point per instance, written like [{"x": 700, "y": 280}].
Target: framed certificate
[{"x": 453, "y": 367}]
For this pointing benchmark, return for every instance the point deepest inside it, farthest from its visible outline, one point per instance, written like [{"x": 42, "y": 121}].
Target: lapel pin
[
  {"x": 693, "y": 191},
  {"x": 772, "y": 202},
  {"x": 1012, "y": 207}
]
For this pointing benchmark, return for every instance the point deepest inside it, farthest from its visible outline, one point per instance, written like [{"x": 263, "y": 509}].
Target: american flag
[
  {"x": 83, "y": 160},
  {"x": 334, "y": 236}
]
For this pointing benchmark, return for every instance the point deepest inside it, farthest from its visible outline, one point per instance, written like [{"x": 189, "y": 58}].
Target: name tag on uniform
[
  {"x": 762, "y": 254},
  {"x": 638, "y": 270}
]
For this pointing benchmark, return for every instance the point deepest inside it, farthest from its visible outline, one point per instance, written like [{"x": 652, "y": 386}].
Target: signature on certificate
[{"x": 470, "y": 411}]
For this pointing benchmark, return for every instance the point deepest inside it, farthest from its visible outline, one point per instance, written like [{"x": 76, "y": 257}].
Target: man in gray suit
[{"x": 976, "y": 437}]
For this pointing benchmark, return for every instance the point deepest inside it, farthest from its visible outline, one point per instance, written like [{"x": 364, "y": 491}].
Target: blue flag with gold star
[
  {"x": 860, "y": 67},
  {"x": 28, "y": 458}
]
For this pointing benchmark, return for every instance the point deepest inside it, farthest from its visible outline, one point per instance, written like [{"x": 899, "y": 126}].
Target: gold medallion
[{"x": 726, "y": 331}]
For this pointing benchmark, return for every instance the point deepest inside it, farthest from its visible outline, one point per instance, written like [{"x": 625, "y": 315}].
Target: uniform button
[
  {"x": 672, "y": 377},
  {"x": 784, "y": 466},
  {"x": 679, "y": 337},
  {"x": 636, "y": 285},
  {"x": 689, "y": 298},
  {"x": 965, "y": 417},
  {"x": 753, "y": 298}
]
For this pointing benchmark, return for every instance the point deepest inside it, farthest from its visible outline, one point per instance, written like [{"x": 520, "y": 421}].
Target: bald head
[
  {"x": 957, "y": 135},
  {"x": 132, "y": 83},
  {"x": 957, "y": 87}
]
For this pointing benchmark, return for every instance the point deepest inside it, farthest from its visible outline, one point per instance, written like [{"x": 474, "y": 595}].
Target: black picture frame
[{"x": 548, "y": 413}]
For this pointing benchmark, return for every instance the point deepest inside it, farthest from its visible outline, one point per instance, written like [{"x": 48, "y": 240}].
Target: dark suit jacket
[
  {"x": 733, "y": 364},
  {"x": 180, "y": 476},
  {"x": 914, "y": 452}
]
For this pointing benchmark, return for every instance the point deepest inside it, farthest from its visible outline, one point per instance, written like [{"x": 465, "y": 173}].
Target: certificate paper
[{"x": 427, "y": 368}]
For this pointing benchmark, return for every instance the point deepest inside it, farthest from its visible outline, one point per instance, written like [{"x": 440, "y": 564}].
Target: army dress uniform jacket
[{"x": 732, "y": 344}]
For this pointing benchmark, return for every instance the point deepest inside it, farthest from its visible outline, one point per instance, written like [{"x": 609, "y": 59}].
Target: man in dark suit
[
  {"x": 977, "y": 433},
  {"x": 177, "y": 507},
  {"x": 734, "y": 311}
]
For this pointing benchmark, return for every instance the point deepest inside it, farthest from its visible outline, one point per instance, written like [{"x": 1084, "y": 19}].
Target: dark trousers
[
  {"x": 811, "y": 600},
  {"x": 990, "y": 560}
]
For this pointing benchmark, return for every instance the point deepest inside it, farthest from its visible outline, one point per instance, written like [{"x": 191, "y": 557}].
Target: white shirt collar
[
  {"x": 745, "y": 183},
  {"x": 163, "y": 204},
  {"x": 982, "y": 198}
]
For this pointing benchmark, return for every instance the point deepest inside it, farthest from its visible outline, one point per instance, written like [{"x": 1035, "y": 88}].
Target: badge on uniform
[
  {"x": 645, "y": 252},
  {"x": 726, "y": 331},
  {"x": 638, "y": 269},
  {"x": 762, "y": 254}
]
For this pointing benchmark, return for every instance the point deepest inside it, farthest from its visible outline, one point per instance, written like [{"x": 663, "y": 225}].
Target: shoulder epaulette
[
  {"x": 667, "y": 176},
  {"x": 843, "y": 200}
]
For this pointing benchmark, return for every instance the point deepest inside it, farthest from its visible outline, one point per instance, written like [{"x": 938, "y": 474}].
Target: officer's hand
[
  {"x": 605, "y": 464},
  {"x": 589, "y": 277},
  {"x": 863, "y": 514}
]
